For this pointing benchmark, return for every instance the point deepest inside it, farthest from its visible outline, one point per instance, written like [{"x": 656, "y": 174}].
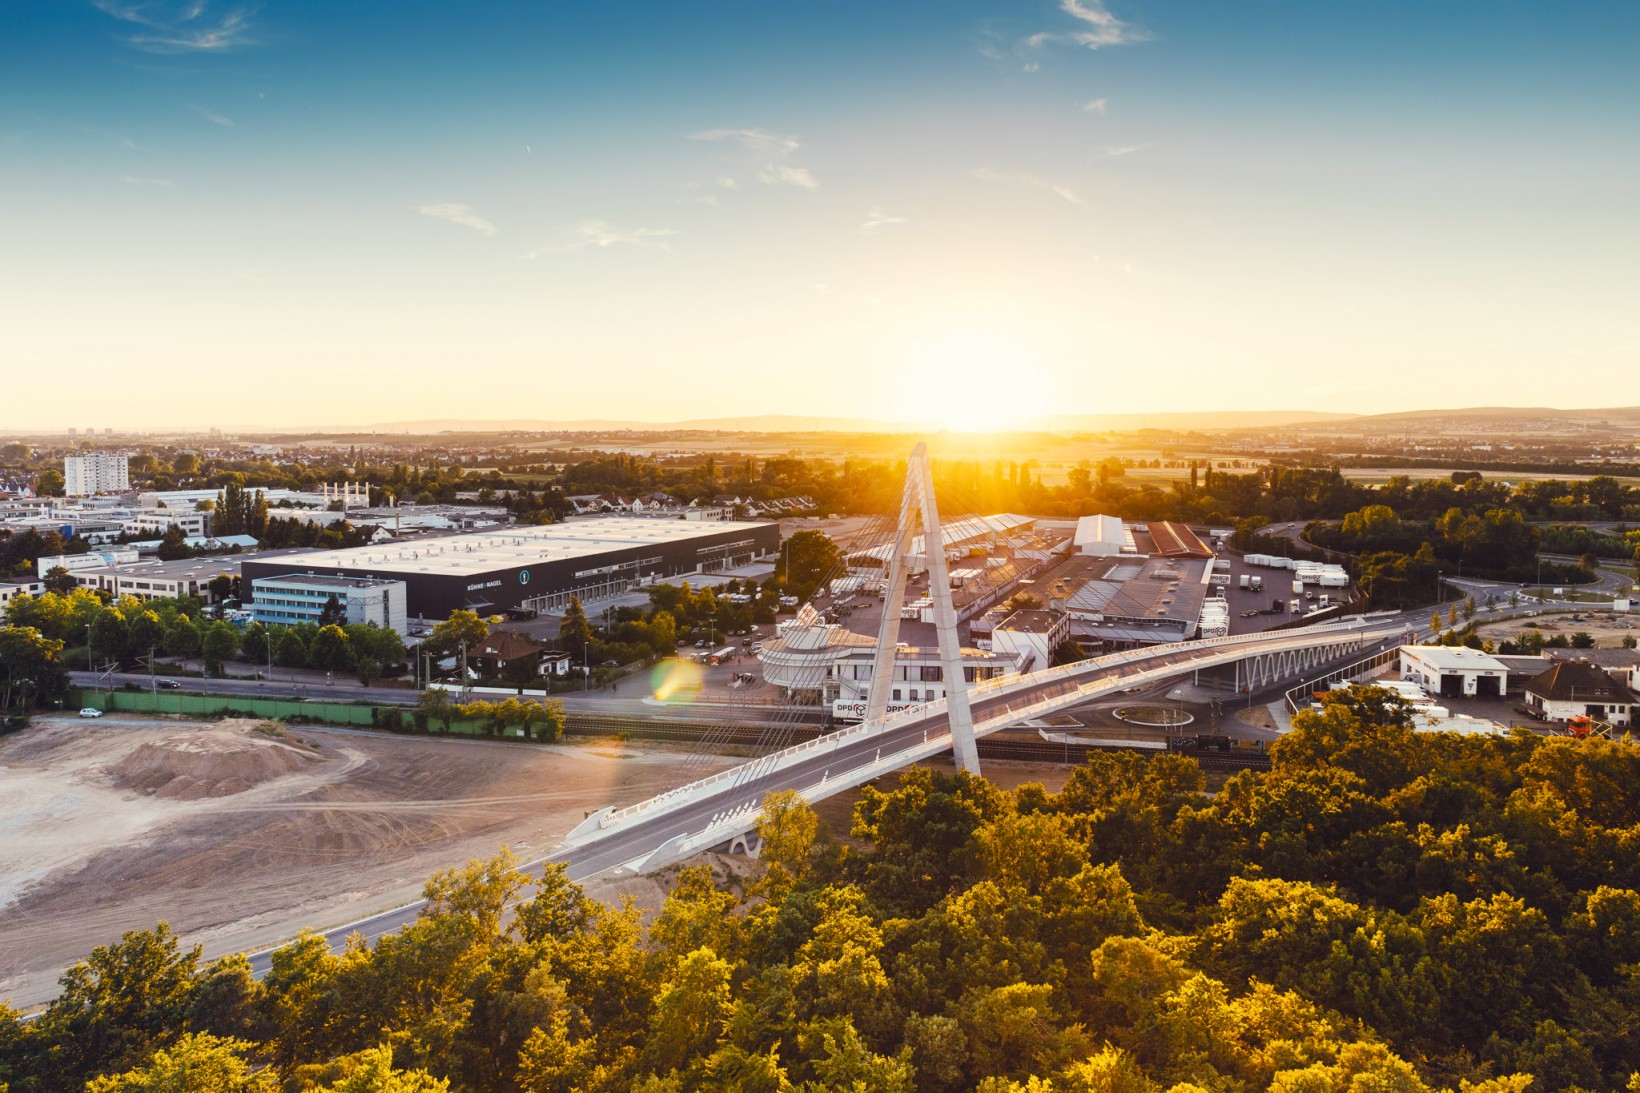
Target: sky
[{"x": 306, "y": 212}]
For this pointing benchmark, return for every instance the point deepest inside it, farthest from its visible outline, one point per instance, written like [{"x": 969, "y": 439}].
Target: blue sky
[{"x": 324, "y": 213}]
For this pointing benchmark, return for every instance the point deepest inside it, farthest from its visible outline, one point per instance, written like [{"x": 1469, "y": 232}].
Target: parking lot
[{"x": 1278, "y": 585}]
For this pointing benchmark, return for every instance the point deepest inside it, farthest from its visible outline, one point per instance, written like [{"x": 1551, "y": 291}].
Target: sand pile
[{"x": 215, "y": 762}]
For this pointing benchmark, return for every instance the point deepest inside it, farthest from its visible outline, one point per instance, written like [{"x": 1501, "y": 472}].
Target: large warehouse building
[{"x": 537, "y": 568}]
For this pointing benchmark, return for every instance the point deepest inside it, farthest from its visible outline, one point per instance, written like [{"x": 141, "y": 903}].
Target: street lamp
[{"x": 586, "y": 667}]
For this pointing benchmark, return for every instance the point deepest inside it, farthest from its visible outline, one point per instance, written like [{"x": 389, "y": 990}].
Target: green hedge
[{"x": 389, "y": 718}]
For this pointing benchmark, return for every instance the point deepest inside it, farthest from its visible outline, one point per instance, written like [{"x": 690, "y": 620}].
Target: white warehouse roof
[
  {"x": 1106, "y": 533},
  {"x": 481, "y": 552},
  {"x": 1454, "y": 658}
]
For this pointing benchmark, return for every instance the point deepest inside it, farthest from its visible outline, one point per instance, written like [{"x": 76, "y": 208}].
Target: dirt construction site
[{"x": 240, "y": 833}]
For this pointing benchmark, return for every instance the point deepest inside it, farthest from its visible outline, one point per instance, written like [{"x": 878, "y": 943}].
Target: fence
[
  {"x": 389, "y": 718},
  {"x": 407, "y": 720}
]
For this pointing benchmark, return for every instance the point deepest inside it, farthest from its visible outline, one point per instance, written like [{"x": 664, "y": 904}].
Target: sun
[{"x": 974, "y": 378}]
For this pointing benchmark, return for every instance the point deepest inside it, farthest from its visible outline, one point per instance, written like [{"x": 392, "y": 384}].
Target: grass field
[{"x": 1377, "y": 476}]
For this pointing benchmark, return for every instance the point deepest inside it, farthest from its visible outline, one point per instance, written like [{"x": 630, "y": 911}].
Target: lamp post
[{"x": 586, "y": 667}]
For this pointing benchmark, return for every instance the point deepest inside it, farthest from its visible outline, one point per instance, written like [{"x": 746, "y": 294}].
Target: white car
[{"x": 91, "y": 711}]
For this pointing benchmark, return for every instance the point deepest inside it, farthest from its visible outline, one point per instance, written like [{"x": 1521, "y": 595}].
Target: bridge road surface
[{"x": 632, "y": 842}]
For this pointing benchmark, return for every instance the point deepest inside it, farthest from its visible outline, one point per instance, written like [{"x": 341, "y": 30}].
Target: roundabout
[{"x": 1153, "y": 717}]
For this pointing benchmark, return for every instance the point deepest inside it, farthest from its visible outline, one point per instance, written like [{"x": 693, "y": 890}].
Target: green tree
[
  {"x": 182, "y": 638},
  {"x": 332, "y": 613},
  {"x": 31, "y": 668},
  {"x": 196, "y": 1063},
  {"x": 59, "y": 580},
  {"x": 145, "y": 634},
  {"x": 118, "y": 1007},
  {"x": 690, "y": 1012},
  {"x": 329, "y": 649},
  {"x": 434, "y": 704},
  {"x": 110, "y": 636},
  {"x": 253, "y": 643},
  {"x": 289, "y": 650},
  {"x": 218, "y": 643},
  {"x": 574, "y": 632},
  {"x": 372, "y": 1071},
  {"x": 462, "y": 628},
  {"x": 173, "y": 545},
  {"x": 787, "y": 826},
  {"x": 807, "y": 559}
]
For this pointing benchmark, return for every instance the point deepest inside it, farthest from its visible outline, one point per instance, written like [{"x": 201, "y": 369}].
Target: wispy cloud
[
  {"x": 779, "y": 174},
  {"x": 457, "y": 213},
  {"x": 771, "y": 150},
  {"x": 1034, "y": 182},
  {"x": 1127, "y": 149},
  {"x": 210, "y": 115},
  {"x": 601, "y": 233},
  {"x": 133, "y": 180},
  {"x": 1095, "y": 106},
  {"x": 756, "y": 140},
  {"x": 876, "y": 218},
  {"x": 181, "y": 28},
  {"x": 1098, "y": 27},
  {"x": 724, "y": 183}
]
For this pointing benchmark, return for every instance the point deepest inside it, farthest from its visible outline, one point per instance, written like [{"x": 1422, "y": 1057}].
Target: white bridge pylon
[{"x": 918, "y": 507}]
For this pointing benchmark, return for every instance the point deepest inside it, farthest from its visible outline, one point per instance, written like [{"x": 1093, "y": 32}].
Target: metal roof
[{"x": 483, "y": 551}]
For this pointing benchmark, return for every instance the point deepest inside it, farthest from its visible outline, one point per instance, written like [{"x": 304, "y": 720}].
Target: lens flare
[{"x": 675, "y": 679}]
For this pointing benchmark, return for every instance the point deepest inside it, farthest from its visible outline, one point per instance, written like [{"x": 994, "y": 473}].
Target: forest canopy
[{"x": 1381, "y": 910}]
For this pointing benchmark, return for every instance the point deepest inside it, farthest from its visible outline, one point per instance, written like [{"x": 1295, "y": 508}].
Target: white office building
[
  {"x": 1453, "y": 670},
  {"x": 301, "y": 597},
  {"x": 96, "y": 472},
  {"x": 160, "y": 521},
  {"x": 92, "y": 559}
]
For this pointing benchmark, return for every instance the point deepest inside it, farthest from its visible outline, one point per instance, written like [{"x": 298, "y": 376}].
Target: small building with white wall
[
  {"x": 13, "y": 587},
  {"x": 1030, "y": 637},
  {"x": 301, "y": 597},
  {"x": 1454, "y": 670},
  {"x": 815, "y": 661},
  {"x": 1103, "y": 535},
  {"x": 1577, "y": 688}
]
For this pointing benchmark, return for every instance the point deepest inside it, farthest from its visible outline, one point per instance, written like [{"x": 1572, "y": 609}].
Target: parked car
[{"x": 91, "y": 711}]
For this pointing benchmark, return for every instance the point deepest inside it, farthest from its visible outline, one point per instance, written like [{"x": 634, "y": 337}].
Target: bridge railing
[{"x": 704, "y": 787}]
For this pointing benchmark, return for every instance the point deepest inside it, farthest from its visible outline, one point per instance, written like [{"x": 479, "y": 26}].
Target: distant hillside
[
  {"x": 1514, "y": 413},
  {"x": 1207, "y": 420},
  {"x": 797, "y": 423}
]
